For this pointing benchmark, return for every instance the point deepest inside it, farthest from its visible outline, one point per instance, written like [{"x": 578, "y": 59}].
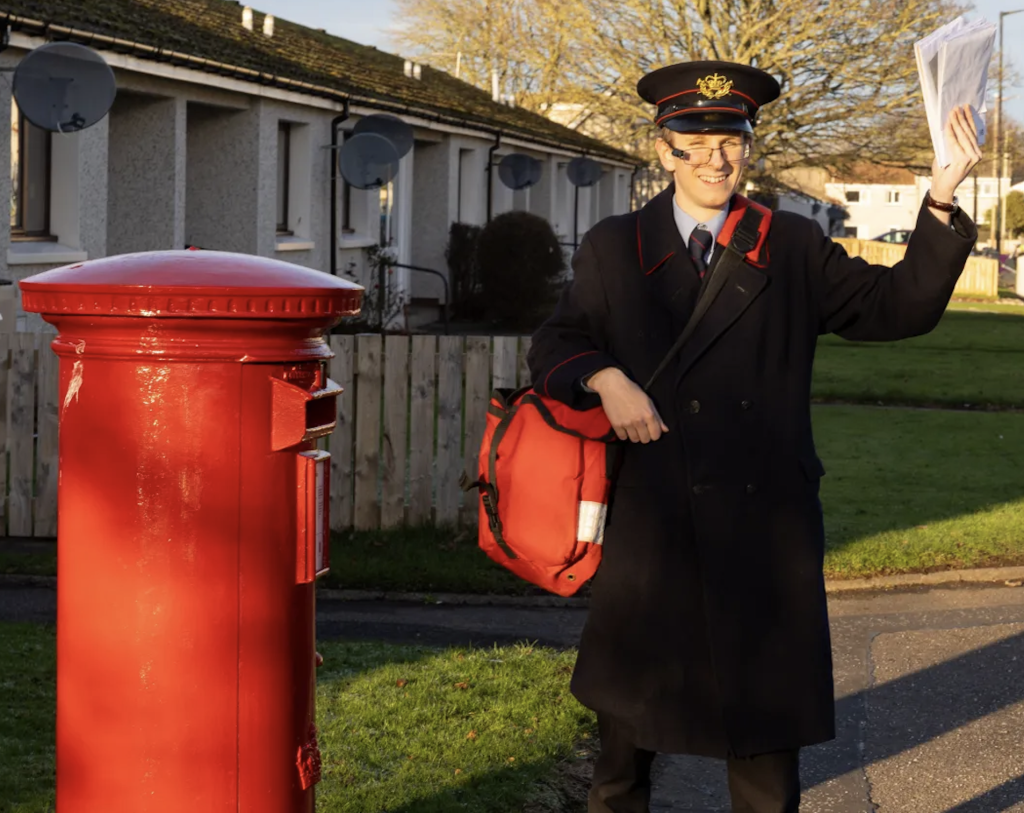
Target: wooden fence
[
  {"x": 980, "y": 277},
  {"x": 410, "y": 421}
]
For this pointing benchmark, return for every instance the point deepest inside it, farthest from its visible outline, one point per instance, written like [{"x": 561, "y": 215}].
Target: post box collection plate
[{"x": 313, "y": 553}]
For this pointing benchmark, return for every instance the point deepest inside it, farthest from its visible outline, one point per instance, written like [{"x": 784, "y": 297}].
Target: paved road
[{"x": 930, "y": 689}]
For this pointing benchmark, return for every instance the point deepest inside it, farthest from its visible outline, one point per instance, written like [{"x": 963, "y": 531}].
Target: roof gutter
[{"x": 247, "y": 74}]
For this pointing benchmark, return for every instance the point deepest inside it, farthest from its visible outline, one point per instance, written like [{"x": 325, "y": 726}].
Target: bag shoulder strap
[{"x": 744, "y": 239}]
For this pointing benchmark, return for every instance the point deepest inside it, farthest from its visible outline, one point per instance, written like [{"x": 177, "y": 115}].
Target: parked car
[{"x": 899, "y": 236}]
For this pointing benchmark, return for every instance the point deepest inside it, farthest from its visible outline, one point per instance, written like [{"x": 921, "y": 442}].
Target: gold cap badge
[{"x": 714, "y": 86}]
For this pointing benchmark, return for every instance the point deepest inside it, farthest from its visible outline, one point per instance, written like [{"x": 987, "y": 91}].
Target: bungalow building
[{"x": 225, "y": 132}]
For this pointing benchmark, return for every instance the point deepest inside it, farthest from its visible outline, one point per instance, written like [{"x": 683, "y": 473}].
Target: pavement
[{"x": 929, "y": 687}]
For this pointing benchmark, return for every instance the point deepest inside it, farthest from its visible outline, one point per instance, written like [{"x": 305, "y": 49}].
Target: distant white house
[
  {"x": 880, "y": 199},
  {"x": 221, "y": 137}
]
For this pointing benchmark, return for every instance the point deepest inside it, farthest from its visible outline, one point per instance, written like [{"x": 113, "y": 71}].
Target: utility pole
[{"x": 1000, "y": 213}]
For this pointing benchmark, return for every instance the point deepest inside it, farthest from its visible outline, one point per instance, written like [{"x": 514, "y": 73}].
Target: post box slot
[
  {"x": 299, "y": 414},
  {"x": 321, "y": 413}
]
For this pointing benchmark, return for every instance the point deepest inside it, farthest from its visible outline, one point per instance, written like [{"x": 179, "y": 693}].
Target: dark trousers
[{"x": 767, "y": 783}]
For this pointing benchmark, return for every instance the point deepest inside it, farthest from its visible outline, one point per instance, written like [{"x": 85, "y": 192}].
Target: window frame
[
  {"x": 284, "y": 184},
  {"x": 18, "y": 231}
]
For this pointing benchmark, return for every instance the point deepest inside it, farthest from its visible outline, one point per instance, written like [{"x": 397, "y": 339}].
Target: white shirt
[{"x": 686, "y": 224}]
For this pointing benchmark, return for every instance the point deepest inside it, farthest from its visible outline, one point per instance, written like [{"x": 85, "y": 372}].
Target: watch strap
[{"x": 952, "y": 208}]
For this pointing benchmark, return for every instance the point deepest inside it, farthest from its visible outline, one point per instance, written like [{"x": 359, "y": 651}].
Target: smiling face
[{"x": 704, "y": 190}]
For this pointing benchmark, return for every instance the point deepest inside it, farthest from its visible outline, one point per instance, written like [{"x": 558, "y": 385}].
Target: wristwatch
[{"x": 952, "y": 208}]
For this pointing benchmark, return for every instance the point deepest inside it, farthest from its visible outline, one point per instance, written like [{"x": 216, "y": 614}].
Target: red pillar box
[{"x": 192, "y": 523}]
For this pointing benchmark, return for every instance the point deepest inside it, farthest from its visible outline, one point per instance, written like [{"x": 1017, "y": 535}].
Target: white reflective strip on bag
[{"x": 590, "y": 527}]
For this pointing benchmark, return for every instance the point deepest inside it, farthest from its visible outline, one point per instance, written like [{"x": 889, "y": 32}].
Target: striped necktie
[{"x": 700, "y": 242}]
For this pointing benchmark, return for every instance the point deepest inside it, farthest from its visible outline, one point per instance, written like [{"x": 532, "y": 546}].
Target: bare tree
[{"x": 850, "y": 90}]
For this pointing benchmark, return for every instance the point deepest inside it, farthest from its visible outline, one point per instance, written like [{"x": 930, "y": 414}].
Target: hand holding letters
[{"x": 952, "y": 63}]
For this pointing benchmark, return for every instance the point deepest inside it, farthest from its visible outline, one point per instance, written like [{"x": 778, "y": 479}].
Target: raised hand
[{"x": 962, "y": 139}]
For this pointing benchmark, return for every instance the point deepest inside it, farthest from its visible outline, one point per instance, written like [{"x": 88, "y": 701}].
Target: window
[
  {"x": 357, "y": 209},
  {"x": 988, "y": 189},
  {"x": 471, "y": 181},
  {"x": 892, "y": 196},
  {"x": 284, "y": 159},
  {"x": 387, "y": 220},
  {"x": 853, "y": 196},
  {"x": 346, "y": 208},
  {"x": 30, "y": 179}
]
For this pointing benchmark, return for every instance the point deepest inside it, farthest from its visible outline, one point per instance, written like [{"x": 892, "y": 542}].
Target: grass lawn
[
  {"x": 917, "y": 490},
  {"x": 403, "y": 729},
  {"x": 971, "y": 358},
  {"x": 29, "y": 564},
  {"x": 28, "y": 697},
  {"x": 1001, "y": 306},
  {"x": 443, "y": 560}
]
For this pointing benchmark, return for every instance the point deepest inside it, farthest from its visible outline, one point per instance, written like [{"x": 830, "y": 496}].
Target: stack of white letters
[{"x": 953, "y": 65}]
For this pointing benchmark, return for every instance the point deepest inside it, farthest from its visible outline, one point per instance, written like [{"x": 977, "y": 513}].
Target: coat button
[
  {"x": 746, "y": 403},
  {"x": 694, "y": 406},
  {"x": 751, "y": 488}
]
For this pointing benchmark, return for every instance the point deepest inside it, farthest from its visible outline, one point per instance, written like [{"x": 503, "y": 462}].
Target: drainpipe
[
  {"x": 335, "y": 124},
  {"x": 490, "y": 173}
]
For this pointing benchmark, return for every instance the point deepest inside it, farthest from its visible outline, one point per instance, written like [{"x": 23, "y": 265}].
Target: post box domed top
[{"x": 192, "y": 283}]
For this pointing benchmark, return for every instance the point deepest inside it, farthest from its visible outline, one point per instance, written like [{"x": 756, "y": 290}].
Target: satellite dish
[
  {"x": 584, "y": 171},
  {"x": 64, "y": 87},
  {"x": 391, "y": 127},
  {"x": 368, "y": 161},
  {"x": 518, "y": 170}
]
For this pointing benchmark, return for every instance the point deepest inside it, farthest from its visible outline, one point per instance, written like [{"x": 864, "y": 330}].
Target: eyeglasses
[{"x": 698, "y": 156}]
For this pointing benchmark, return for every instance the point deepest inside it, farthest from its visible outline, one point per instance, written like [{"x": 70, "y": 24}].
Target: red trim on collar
[
  {"x": 640, "y": 251},
  {"x": 660, "y": 263}
]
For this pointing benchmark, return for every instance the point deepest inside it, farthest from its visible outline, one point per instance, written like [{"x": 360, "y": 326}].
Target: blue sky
[{"x": 366, "y": 21}]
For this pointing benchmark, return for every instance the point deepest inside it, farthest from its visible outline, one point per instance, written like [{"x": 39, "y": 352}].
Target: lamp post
[{"x": 1000, "y": 202}]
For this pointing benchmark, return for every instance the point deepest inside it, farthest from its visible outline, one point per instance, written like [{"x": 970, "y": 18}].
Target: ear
[{"x": 668, "y": 161}]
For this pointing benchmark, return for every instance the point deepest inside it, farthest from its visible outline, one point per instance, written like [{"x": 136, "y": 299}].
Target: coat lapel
[
  {"x": 741, "y": 287},
  {"x": 674, "y": 281},
  {"x": 664, "y": 261}
]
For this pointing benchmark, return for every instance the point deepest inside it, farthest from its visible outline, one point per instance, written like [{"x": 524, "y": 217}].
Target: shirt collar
[{"x": 686, "y": 224}]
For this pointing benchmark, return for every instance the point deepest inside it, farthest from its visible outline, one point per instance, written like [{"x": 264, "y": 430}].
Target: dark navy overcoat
[{"x": 708, "y": 630}]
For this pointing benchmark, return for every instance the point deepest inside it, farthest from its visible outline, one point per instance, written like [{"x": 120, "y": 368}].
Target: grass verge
[
  {"x": 28, "y": 697},
  {"x": 29, "y": 564},
  {"x": 423, "y": 559},
  {"x": 403, "y": 729},
  {"x": 972, "y": 359},
  {"x": 920, "y": 490}
]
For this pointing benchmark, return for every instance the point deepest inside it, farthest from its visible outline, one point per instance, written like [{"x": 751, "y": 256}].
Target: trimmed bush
[{"x": 520, "y": 262}]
